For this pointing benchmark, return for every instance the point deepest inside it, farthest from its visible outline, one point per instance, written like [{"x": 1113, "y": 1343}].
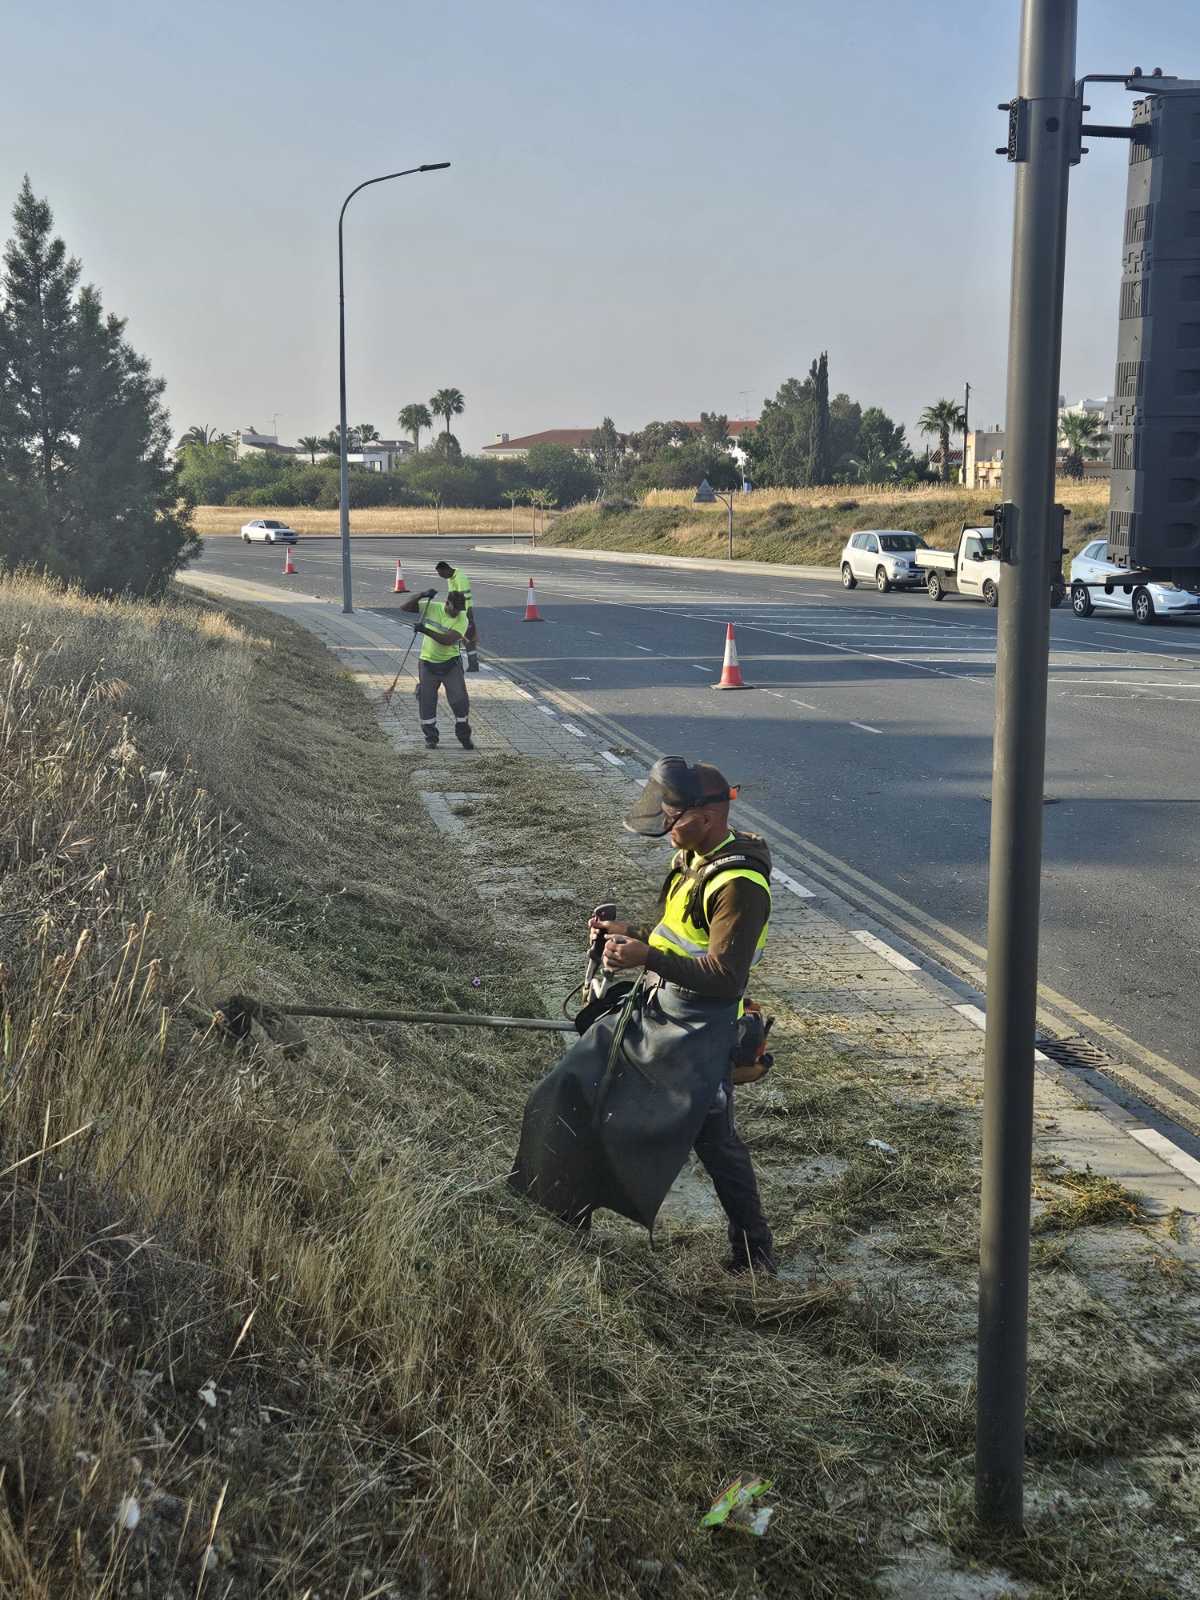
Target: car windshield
[
  {"x": 270, "y": 523},
  {"x": 901, "y": 541}
]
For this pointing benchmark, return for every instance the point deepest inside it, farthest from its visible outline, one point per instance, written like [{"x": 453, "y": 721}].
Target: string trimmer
[{"x": 416, "y": 629}]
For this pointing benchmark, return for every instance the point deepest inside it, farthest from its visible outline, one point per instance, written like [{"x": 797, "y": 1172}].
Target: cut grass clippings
[{"x": 275, "y": 1326}]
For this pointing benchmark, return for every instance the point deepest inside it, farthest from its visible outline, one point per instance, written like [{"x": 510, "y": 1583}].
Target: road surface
[{"x": 866, "y": 745}]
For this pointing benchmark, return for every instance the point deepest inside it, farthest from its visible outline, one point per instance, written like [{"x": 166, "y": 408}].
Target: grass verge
[
  {"x": 803, "y": 526},
  {"x": 273, "y": 1326},
  {"x": 419, "y": 521}
]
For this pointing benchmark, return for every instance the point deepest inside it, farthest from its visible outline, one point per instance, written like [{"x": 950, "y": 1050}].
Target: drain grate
[{"x": 1075, "y": 1051}]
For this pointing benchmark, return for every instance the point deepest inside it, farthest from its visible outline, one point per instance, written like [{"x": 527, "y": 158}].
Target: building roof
[{"x": 573, "y": 438}]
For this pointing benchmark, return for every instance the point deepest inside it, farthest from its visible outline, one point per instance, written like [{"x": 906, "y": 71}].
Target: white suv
[{"x": 883, "y": 556}]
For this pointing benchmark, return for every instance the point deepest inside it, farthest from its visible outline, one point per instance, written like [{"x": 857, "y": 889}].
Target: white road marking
[
  {"x": 979, "y": 1018},
  {"x": 805, "y": 704},
  {"x": 884, "y": 950},
  {"x": 696, "y": 668},
  {"x": 595, "y": 633},
  {"x": 644, "y": 647},
  {"x": 773, "y": 694},
  {"x": 546, "y": 711},
  {"x": 613, "y": 761},
  {"x": 789, "y": 882},
  {"x": 1167, "y": 1151},
  {"x": 580, "y": 677},
  {"x": 578, "y": 732},
  {"x": 866, "y": 727}
]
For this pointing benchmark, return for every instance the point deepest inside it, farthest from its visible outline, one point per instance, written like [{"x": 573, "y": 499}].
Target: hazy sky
[{"x": 654, "y": 208}]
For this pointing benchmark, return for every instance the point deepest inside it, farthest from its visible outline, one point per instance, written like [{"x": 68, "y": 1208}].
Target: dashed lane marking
[
  {"x": 578, "y": 732},
  {"x": 788, "y": 882},
  {"x": 866, "y": 727},
  {"x": 804, "y": 704},
  {"x": 697, "y": 668},
  {"x": 884, "y": 950},
  {"x": 978, "y": 1016},
  {"x": 613, "y": 761},
  {"x": 1167, "y": 1150},
  {"x": 644, "y": 647}
]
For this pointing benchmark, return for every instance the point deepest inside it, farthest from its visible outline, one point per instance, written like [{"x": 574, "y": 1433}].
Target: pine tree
[
  {"x": 86, "y": 489},
  {"x": 818, "y": 438}
]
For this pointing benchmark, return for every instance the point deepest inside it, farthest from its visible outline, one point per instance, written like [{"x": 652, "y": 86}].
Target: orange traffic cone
[
  {"x": 731, "y": 672},
  {"x": 289, "y": 566},
  {"x": 400, "y": 587},
  {"x": 532, "y": 614}
]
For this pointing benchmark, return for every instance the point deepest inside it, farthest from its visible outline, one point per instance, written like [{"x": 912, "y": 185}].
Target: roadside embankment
[
  {"x": 423, "y": 522},
  {"x": 801, "y": 527},
  {"x": 274, "y": 1323}
]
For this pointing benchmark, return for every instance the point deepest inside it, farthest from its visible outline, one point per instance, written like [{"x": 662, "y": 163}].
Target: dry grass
[
  {"x": 418, "y": 521},
  {"x": 805, "y": 526},
  {"x": 288, "y": 1308}
]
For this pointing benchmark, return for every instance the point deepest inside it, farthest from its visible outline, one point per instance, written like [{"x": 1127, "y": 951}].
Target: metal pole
[
  {"x": 344, "y": 465},
  {"x": 730, "y": 503},
  {"x": 344, "y": 469},
  {"x": 966, "y": 425},
  {"x": 1046, "y": 74}
]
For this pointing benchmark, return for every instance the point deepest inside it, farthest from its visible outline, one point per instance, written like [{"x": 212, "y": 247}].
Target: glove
[{"x": 427, "y": 594}]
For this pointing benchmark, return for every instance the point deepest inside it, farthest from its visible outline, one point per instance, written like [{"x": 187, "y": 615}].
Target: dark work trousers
[
  {"x": 432, "y": 675},
  {"x": 727, "y": 1162}
]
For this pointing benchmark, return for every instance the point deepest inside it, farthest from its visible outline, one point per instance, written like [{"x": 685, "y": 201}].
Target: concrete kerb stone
[
  {"x": 816, "y": 964},
  {"x": 760, "y": 569}
]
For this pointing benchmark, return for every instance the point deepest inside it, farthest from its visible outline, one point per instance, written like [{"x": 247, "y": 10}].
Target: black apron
[{"x": 612, "y": 1124}]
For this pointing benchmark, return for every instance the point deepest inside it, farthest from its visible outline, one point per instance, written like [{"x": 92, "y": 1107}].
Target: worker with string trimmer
[{"x": 444, "y": 626}]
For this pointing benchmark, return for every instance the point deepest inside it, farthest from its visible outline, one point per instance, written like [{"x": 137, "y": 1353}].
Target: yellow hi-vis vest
[{"x": 683, "y": 928}]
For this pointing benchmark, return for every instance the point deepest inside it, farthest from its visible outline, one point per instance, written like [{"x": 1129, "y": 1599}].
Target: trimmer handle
[{"x": 604, "y": 913}]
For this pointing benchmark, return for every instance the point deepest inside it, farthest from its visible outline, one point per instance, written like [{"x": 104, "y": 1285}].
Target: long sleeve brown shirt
[{"x": 737, "y": 913}]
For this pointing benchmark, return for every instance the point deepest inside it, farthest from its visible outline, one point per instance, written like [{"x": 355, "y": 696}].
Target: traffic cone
[
  {"x": 532, "y": 614},
  {"x": 731, "y": 672},
  {"x": 400, "y": 586},
  {"x": 289, "y": 566}
]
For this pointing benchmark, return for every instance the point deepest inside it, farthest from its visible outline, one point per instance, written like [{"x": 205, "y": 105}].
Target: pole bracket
[{"x": 1017, "y": 148}]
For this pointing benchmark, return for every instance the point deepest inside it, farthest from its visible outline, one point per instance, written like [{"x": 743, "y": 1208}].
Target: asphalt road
[{"x": 868, "y": 741}]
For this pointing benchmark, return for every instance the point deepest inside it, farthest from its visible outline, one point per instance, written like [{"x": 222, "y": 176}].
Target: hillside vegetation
[{"x": 804, "y": 526}]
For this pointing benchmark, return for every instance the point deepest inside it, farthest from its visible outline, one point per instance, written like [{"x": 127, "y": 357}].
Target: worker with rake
[
  {"x": 652, "y": 1075},
  {"x": 444, "y": 627},
  {"x": 457, "y": 582}
]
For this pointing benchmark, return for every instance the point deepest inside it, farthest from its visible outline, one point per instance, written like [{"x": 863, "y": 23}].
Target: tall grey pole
[
  {"x": 1043, "y": 156},
  {"x": 966, "y": 426},
  {"x": 731, "y": 525},
  {"x": 344, "y": 465}
]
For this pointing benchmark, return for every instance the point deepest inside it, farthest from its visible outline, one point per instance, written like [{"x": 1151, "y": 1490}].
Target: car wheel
[
  {"x": 1143, "y": 607},
  {"x": 990, "y": 593},
  {"x": 245, "y": 538},
  {"x": 881, "y": 581},
  {"x": 1081, "y": 600},
  {"x": 934, "y": 586},
  {"x": 270, "y": 538},
  {"x": 849, "y": 581}
]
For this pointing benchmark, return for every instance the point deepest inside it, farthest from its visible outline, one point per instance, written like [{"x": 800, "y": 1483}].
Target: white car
[
  {"x": 269, "y": 531},
  {"x": 1147, "y": 601},
  {"x": 884, "y": 557}
]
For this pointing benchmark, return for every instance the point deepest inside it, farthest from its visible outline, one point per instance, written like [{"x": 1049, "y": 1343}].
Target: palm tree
[
  {"x": 412, "y": 419},
  {"x": 944, "y": 417},
  {"x": 199, "y": 435},
  {"x": 364, "y": 433},
  {"x": 874, "y": 466},
  {"x": 314, "y": 446},
  {"x": 1086, "y": 439},
  {"x": 448, "y": 403}
]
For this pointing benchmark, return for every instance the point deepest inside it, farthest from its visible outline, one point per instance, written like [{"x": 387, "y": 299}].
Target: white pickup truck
[{"x": 971, "y": 570}]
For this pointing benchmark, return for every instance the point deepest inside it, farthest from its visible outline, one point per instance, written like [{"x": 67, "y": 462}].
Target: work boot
[
  {"x": 463, "y": 730},
  {"x": 760, "y": 1261},
  {"x": 431, "y": 738}
]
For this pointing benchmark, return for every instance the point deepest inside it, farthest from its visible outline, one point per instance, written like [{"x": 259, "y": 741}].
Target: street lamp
[
  {"x": 706, "y": 495},
  {"x": 344, "y": 495}
]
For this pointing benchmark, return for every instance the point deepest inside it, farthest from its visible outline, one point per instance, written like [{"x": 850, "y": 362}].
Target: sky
[{"x": 653, "y": 208}]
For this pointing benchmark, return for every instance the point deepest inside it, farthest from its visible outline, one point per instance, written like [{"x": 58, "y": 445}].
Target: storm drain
[{"x": 1076, "y": 1051}]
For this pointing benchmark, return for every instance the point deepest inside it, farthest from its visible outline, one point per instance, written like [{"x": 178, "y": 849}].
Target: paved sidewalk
[{"x": 845, "y": 981}]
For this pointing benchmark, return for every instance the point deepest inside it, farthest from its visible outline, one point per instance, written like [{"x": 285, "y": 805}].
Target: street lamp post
[
  {"x": 344, "y": 483},
  {"x": 706, "y": 495}
]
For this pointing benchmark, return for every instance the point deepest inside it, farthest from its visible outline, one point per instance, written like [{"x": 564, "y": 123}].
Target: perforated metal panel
[{"x": 1154, "y": 505}]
